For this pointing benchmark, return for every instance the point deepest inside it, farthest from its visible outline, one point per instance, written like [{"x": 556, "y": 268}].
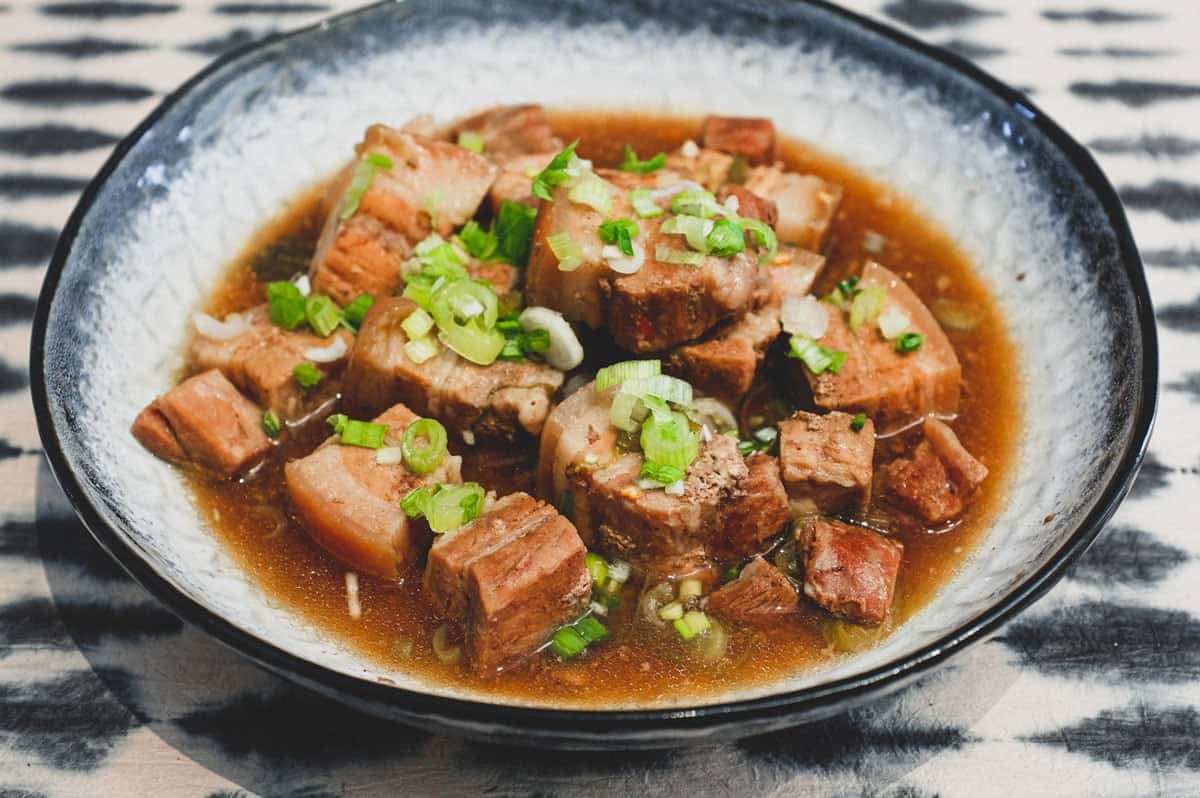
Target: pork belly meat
[
  {"x": 849, "y": 570},
  {"x": 752, "y": 522},
  {"x": 509, "y": 579},
  {"x": 827, "y": 465},
  {"x": 206, "y": 423},
  {"x": 890, "y": 386},
  {"x": 261, "y": 360},
  {"x": 805, "y": 204},
  {"x": 751, "y": 138},
  {"x": 509, "y": 131},
  {"x": 502, "y": 401},
  {"x": 659, "y": 306},
  {"x": 432, "y": 187},
  {"x": 349, "y": 503},
  {"x": 761, "y": 594},
  {"x": 934, "y": 481}
]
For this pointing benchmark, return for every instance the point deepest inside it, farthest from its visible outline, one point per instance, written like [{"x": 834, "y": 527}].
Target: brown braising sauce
[{"x": 638, "y": 664}]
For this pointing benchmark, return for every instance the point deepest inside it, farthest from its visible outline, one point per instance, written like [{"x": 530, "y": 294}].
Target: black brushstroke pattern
[
  {"x": 1135, "y": 93},
  {"x": 18, "y": 539},
  {"x": 39, "y": 185},
  {"x": 108, "y": 9},
  {"x": 1172, "y": 258},
  {"x": 1113, "y": 52},
  {"x": 1136, "y": 736},
  {"x": 12, "y": 378},
  {"x": 1101, "y": 639},
  {"x": 83, "y": 47},
  {"x": 1190, "y": 384},
  {"x": 69, "y": 91},
  {"x": 976, "y": 51},
  {"x": 19, "y": 792},
  {"x": 1124, "y": 555},
  {"x": 70, "y": 721},
  {"x": 927, "y": 14},
  {"x": 1182, "y": 316},
  {"x": 40, "y": 622},
  {"x": 1153, "y": 477},
  {"x": 16, "y": 309},
  {"x": 1100, "y": 16},
  {"x": 241, "y": 9},
  {"x": 9, "y": 451},
  {"x": 52, "y": 140},
  {"x": 23, "y": 245},
  {"x": 1177, "y": 201},
  {"x": 848, "y": 737},
  {"x": 219, "y": 44},
  {"x": 1161, "y": 146},
  {"x": 278, "y": 727},
  {"x": 63, "y": 545}
]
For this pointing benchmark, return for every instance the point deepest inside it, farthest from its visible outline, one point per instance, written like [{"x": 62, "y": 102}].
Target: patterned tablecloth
[{"x": 1093, "y": 691}]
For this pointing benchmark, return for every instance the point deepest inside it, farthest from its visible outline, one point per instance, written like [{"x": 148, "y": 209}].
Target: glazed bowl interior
[{"x": 234, "y": 146}]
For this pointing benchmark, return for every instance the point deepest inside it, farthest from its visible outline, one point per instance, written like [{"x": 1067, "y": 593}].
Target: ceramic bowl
[{"x": 184, "y": 193}]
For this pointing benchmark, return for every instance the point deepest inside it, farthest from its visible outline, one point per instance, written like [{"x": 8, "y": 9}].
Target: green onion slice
[
  {"x": 361, "y": 180},
  {"x": 652, "y": 164},
  {"x": 597, "y": 567},
  {"x": 909, "y": 342},
  {"x": 479, "y": 243},
  {"x": 671, "y": 442},
  {"x": 514, "y": 232},
  {"x": 555, "y": 173},
  {"x": 465, "y": 312},
  {"x": 567, "y": 643},
  {"x": 695, "y": 228},
  {"x": 424, "y": 445},
  {"x": 665, "y": 474},
  {"x": 643, "y": 203},
  {"x": 859, "y": 422},
  {"x": 666, "y": 254},
  {"x": 697, "y": 203},
  {"x": 421, "y": 349},
  {"x": 570, "y": 256},
  {"x": 307, "y": 375},
  {"x": 594, "y": 192},
  {"x": 270, "y": 424},
  {"x": 354, "y": 313},
  {"x": 418, "y": 324},
  {"x": 618, "y": 373},
  {"x": 285, "y": 305},
  {"x": 416, "y": 502},
  {"x": 726, "y": 239},
  {"x": 323, "y": 314},
  {"x": 470, "y": 140},
  {"x": 670, "y": 389},
  {"x": 453, "y": 506},
  {"x": 764, "y": 236},
  {"x": 817, "y": 358},
  {"x": 866, "y": 307},
  {"x": 620, "y": 232}
]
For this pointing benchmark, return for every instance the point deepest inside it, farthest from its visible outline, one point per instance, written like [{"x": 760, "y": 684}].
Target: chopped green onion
[
  {"x": 694, "y": 228},
  {"x": 848, "y": 288},
  {"x": 593, "y": 192},
  {"x": 416, "y": 502},
  {"x": 430, "y": 204},
  {"x": 683, "y": 628},
  {"x": 731, "y": 573},
  {"x": 555, "y": 173},
  {"x": 670, "y": 442},
  {"x": 665, "y": 254},
  {"x": 365, "y": 434},
  {"x": 453, "y": 506},
  {"x": 591, "y": 629},
  {"x": 307, "y": 375},
  {"x": 361, "y": 180},
  {"x": 666, "y": 474},
  {"x": 618, "y": 373},
  {"x": 764, "y": 236},
  {"x": 421, "y": 349},
  {"x": 766, "y": 435},
  {"x": 619, "y": 571},
  {"x": 535, "y": 341},
  {"x": 671, "y": 612},
  {"x": 893, "y": 322},
  {"x": 568, "y": 643},
  {"x": 816, "y": 357},
  {"x": 627, "y": 412},
  {"x": 747, "y": 448},
  {"x": 514, "y": 232},
  {"x": 354, "y": 313},
  {"x": 643, "y": 203},
  {"x": 323, "y": 315},
  {"x": 270, "y": 424},
  {"x": 620, "y": 232},
  {"x": 697, "y": 621},
  {"x": 726, "y": 239},
  {"x": 690, "y": 588},
  {"x": 418, "y": 324},
  {"x": 465, "y": 312},
  {"x": 285, "y": 305},
  {"x": 420, "y": 287},
  {"x": 652, "y": 164},
  {"x": 867, "y": 304},
  {"x": 909, "y": 342},
  {"x": 570, "y": 256},
  {"x": 696, "y": 203},
  {"x": 338, "y": 422},
  {"x": 424, "y": 445},
  {"x": 479, "y": 243},
  {"x": 470, "y": 140},
  {"x": 859, "y": 422},
  {"x": 670, "y": 389},
  {"x": 597, "y": 567}
]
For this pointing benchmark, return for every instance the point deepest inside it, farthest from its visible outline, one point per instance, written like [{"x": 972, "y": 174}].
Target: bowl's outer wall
[{"x": 174, "y": 203}]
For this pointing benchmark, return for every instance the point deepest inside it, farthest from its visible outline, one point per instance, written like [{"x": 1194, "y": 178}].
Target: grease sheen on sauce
[{"x": 634, "y": 666}]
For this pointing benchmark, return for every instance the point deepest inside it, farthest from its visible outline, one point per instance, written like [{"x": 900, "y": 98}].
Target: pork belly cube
[
  {"x": 518, "y": 594},
  {"x": 849, "y": 570},
  {"x": 750, "y": 137},
  {"x": 432, "y": 187},
  {"x": 723, "y": 365},
  {"x": 349, "y": 503},
  {"x": 761, "y": 595},
  {"x": 937, "y": 478},
  {"x": 750, "y": 205},
  {"x": 805, "y": 204},
  {"x": 659, "y": 306},
  {"x": 753, "y": 521},
  {"x": 502, "y": 401},
  {"x": 892, "y": 387},
  {"x": 708, "y": 167},
  {"x": 261, "y": 360},
  {"x": 826, "y": 463},
  {"x": 510, "y": 131},
  {"x": 204, "y": 422},
  {"x": 514, "y": 182},
  {"x": 964, "y": 470}
]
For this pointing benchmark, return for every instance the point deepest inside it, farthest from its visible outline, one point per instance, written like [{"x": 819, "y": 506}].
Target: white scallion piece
[
  {"x": 565, "y": 352},
  {"x": 804, "y": 315},
  {"x": 619, "y": 571},
  {"x": 893, "y": 322},
  {"x": 352, "y": 605},
  {"x": 621, "y": 263},
  {"x": 690, "y": 149},
  {"x": 234, "y": 325},
  {"x": 667, "y": 192},
  {"x": 873, "y": 242},
  {"x": 335, "y": 351},
  {"x": 389, "y": 455},
  {"x": 599, "y": 609},
  {"x": 303, "y": 285},
  {"x": 421, "y": 349},
  {"x": 675, "y": 488},
  {"x": 468, "y": 437}
]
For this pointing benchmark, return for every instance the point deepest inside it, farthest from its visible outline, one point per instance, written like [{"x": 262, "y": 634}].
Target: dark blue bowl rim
[{"x": 449, "y": 713}]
